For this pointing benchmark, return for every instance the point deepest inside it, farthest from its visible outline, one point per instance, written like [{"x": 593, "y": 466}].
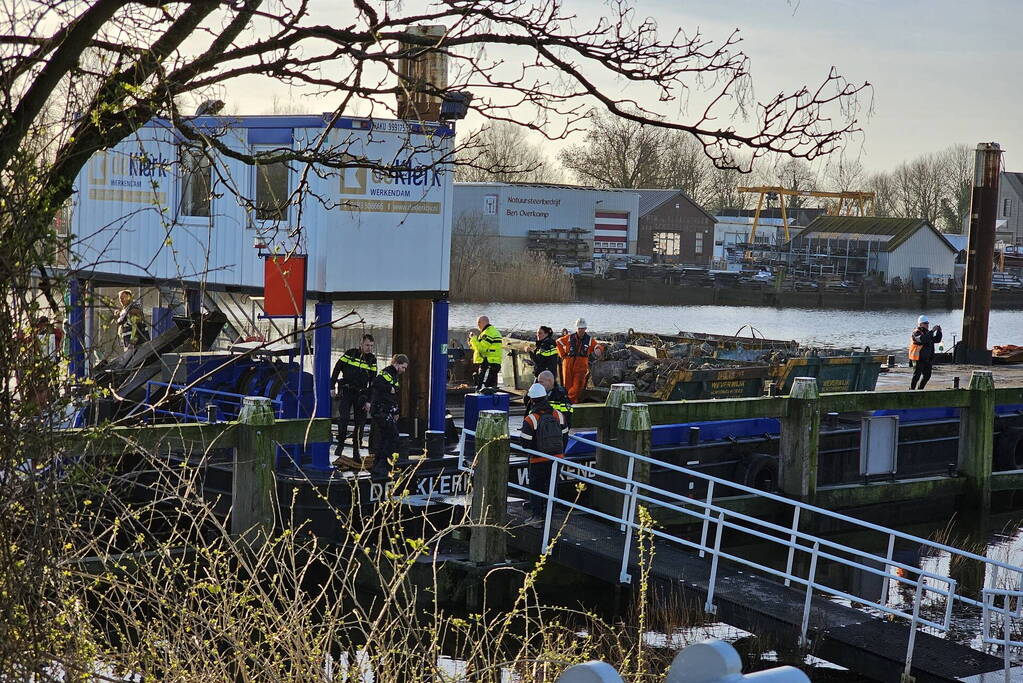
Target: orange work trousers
[{"x": 574, "y": 371}]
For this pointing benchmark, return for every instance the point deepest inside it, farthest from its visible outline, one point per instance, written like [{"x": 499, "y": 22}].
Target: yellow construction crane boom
[{"x": 857, "y": 204}]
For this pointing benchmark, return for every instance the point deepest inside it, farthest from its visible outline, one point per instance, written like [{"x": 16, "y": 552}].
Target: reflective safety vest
[
  {"x": 487, "y": 345},
  {"x": 529, "y": 426},
  {"x": 357, "y": 362},
  {"x": 355, "y": 370},
  {"x": 558, "y": 398},
  {"x": 546, "y": 348},
  {"x": 574, "y": 346},
  {"x": 389, "y": 378},
  {"x": 384, "y": 402},
  {"x": 914, "y": 349}
]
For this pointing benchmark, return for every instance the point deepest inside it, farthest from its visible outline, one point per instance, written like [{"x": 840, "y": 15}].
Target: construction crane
[{"x": 857, "y": 205}]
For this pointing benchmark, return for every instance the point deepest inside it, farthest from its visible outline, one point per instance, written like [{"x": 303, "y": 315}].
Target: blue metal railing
[
  {"x": 715, "y": 519},
  {"x": 197, "y": 402}
]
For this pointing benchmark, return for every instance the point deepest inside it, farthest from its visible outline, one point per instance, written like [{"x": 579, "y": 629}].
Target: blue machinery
[{"x": 210, "y": 387}]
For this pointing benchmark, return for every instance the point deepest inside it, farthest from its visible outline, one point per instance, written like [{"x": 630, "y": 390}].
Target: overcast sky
[{"x": 943, "y": 71}]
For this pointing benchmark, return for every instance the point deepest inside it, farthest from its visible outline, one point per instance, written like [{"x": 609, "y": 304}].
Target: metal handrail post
[
  {"x": 913, "y": 624},
  {"x": 1006, "y": 658},
  {"x": 887, "y": 566},
  {"x": 792, "y": 547},
  {"x": 810, "y": 582},
  {"x": 706, "y": 520},
  {"x": 629, "y": 489},
  {"x": 549, "y": 513},
  {"x": 949, "y": 601},
  {"x": 623, "y": 574},
  {"x": 709, "y": 606}
]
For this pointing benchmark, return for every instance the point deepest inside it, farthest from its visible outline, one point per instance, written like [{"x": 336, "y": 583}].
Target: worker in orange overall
[{"x": 575, "y": 350}]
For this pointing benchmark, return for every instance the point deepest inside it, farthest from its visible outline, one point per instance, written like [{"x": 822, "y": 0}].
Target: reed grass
[{"x": 483, "y": 270}]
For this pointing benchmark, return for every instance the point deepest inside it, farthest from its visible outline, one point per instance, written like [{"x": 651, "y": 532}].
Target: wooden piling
[
  {"x": 635, "y": 436},
  {"x": 620, "y": 394},
  {"x": 489, "y": 508},
  {"x": 412, "y": 321},
  {"x": 976, "y": 440},
  {"x": 253, "y": 490},
  {"x": 798, "y": 443}
]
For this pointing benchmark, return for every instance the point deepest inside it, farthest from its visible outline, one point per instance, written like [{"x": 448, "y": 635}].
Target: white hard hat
[
  {"x": 537, "y": 391},
  {"x": 922, "y": 319},
  {"x": 580, "y": 323}
]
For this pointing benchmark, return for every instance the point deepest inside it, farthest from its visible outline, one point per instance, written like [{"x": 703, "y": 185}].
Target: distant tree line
[{"x": 616, "y": 152}]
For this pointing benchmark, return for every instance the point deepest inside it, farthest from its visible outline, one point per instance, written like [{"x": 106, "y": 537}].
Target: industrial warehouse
[{"x": 570, "y": 224}]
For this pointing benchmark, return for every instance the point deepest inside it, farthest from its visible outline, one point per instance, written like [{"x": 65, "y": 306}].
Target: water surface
[{"x": 880, "y": 330}]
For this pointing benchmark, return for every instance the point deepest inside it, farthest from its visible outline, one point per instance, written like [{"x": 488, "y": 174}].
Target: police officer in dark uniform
[
  {"x": 353, "y": 376},
  {"x": 544, "y": 355},
  {"x": 384, "y": 411}
]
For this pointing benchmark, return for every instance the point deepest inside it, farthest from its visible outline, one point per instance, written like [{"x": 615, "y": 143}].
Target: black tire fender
[
  {"x": 1009, "y": 449},
  {"x": 759, "y": 471}
]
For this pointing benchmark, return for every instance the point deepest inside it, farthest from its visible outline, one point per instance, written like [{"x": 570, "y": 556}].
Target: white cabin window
[
  {"x": 272, "y": 191},
  {"x": 667, "y": 244},
  {"x": 698, "y": 247},
  {"x": 196, "y": 182}
]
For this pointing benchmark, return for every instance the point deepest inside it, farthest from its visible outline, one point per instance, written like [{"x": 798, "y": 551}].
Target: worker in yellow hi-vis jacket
[{"x": 486, "y": 353}]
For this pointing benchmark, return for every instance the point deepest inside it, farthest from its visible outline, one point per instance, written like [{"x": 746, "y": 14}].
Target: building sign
[
  {"x": 135, "y": 178},
  {"x": 529, "y": 207},
  {"x": 490, "y": 205},
  {"x": 389, "y": 190},
  {"x": 611, "y": 232}
]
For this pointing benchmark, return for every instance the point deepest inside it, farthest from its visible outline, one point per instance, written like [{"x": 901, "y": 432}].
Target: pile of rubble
[
  {"x": 626, "y": 363},
  {"x": 622, "y": 363}
]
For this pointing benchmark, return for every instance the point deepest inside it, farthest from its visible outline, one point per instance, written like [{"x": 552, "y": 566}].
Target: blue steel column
[
  {"x": 321, "y": 379},
  {"x": 439, "y": 365},
  {"x": 76, "y": 329},
  {"x": 438, "y": 380}
]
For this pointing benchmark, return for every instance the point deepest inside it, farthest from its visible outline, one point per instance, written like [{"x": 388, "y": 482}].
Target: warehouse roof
[
  {"x": 545, "y": 186},
  {"x": 890, "y": 232},
  {"x": 1015, "y": 180},
  {"x": 649, "y": 200}
]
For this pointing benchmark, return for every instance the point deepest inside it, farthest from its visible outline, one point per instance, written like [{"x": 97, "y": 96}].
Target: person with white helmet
[
  {"x": 544, "y": 431},
  {"x": 921, "y": 351},
  {"x": 575, "y": 350}
]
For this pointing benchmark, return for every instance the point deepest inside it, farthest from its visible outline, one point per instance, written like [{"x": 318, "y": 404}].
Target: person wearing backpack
[{"x": 543, "y": 430}]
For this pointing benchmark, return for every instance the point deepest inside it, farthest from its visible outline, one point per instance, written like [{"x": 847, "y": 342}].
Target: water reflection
[{"x": 881, "y": 330}]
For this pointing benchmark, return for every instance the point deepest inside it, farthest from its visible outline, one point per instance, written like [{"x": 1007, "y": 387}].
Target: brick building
[{"x": 673, "y": 228}]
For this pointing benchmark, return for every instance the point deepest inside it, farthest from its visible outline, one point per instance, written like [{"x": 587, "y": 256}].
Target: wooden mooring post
[
  {"x": 253, "y": 490},
  {"x": 976, "y": 440},
  {"x": 488, "y": 511},
  {"x": 604, "y": 500},
  {"x": 634, "y": 429},
  {"x": 798, "y": 441}
]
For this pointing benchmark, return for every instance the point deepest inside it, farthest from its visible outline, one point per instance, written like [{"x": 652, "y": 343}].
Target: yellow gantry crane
[{"x": 857, "y": 205}]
